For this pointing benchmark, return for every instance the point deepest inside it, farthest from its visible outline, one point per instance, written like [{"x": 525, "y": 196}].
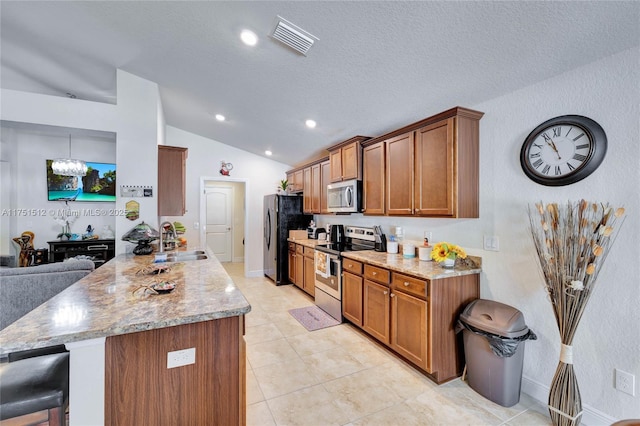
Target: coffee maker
[{"x": 336, "y": 234}]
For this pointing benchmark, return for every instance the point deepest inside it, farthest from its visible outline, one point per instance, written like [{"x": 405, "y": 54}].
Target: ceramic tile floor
[{"x": 336, "y": 376}]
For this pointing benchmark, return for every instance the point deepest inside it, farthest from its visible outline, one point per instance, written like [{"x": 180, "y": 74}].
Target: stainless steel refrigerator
[{"x": 281, "y": 213}]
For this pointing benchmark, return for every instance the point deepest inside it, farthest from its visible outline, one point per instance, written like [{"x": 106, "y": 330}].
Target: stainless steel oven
[
  {"x": 328, "y": 267},
  {"x": 328, "y": 271}
]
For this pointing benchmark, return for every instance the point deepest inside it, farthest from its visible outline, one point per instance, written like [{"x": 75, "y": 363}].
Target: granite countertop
[
  {"x": 307, "y": 243},
  {"x": 424, "y": 269},
  {"x": 106, "y": 303}
]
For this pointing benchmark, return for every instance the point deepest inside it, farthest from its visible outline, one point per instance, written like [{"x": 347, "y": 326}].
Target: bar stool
[{"x": 29, "y": 385}]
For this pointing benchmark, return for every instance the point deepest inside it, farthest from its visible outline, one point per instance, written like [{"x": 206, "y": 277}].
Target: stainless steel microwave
[{"x": 344, "y": 197}]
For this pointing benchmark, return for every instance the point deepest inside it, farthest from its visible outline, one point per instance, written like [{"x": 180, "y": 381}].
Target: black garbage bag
[{"x": 503, "y": 347}]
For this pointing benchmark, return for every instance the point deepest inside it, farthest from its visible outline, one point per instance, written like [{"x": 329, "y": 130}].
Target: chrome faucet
[{"x": 173, "y": 233}]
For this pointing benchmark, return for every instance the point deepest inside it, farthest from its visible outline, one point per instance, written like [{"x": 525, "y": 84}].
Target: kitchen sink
[{"x": 184, "y": 256}]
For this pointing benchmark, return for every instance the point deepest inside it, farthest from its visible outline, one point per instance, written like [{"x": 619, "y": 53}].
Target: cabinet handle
[
  {"x": 392, "y": 295},
  {"x": 406, "y": 284},
  {"x": 98, "y": 247},
  {"x": 417, "y": 210},
  {"x": 374, "y": 273},
  {"x": 351, "y": 265},
  {"x": 385, "y": 292},
  {"x": 409, "y": 210}
]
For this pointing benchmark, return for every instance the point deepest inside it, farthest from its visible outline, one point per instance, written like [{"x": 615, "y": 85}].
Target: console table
[{"x": 100, "y": 250}]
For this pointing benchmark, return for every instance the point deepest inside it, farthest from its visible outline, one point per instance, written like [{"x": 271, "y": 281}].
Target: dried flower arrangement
[{"x": 572, "y": 242}]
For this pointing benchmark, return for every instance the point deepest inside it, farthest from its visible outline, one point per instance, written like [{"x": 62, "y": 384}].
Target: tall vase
[{"x": 565, "y": 404}]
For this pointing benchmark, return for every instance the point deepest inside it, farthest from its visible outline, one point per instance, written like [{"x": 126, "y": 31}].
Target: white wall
[
  {"x": 261, "y": 176},
  {"x": 137, "y": 119},
  {"x": 32, "y": 148},
  {"x": 608, "y": 91}
]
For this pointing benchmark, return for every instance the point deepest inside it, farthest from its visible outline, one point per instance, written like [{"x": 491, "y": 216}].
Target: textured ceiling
[{"x": 377, "y": 65}]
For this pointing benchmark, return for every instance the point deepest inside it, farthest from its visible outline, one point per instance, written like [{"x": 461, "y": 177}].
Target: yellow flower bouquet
[{"x": 444, "y": 250}]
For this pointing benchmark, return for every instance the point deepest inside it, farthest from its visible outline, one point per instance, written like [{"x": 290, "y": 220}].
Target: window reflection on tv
[{"x": 98, "y": 185}]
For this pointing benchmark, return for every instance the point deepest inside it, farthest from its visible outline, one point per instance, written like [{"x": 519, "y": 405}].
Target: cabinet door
[
  {"x": 352, "y": 298},
  {"x": 299, "y": 270},
  {"x": 172, "y": 162},
  {"x": 325, "y": 179},
  {"x": 309, "y": 276},
  {"x": 292, "y": 266},
  {"x": 351, "y": 155},
  {"x": 399, "y": 173},
  {"x": 315, "y": 188},
  {"x": 307, "y": 190},
  {"x": 298, "y": 180},
  {"x": 409, "y": 328},
  {"x": 373, "y": 179},
  {"x": 376, "y": 310},
  {"x": 335, "y": 158},
  {"x": 434, "y": 165}
]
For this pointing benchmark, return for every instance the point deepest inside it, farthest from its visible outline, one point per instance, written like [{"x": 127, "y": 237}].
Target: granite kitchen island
[{"x": 120, "y": 334}]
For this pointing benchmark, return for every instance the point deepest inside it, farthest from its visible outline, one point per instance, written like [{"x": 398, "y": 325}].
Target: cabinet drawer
[
  {"x": 352, "y": 266},
  {"x": 374, "y": 273},
  {"x": 410, "y": 285},
  {"x": 309, "y": 251},
  {"x": 300, "y": 249},
  {"x": 292, "y": 246}
]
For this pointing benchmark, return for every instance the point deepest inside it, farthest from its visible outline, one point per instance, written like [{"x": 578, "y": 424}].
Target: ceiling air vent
[{"x": 293, "y": 36}]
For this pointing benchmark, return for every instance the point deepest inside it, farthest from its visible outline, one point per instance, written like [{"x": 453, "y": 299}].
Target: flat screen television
[{"x": 98, "y": 185}]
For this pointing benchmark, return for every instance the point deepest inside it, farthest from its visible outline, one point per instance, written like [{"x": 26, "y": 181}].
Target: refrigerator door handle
[{"x": 267, "y": 230}]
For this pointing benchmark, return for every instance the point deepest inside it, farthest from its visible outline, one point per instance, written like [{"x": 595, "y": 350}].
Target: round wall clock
[{"x": 563, "y": 150}]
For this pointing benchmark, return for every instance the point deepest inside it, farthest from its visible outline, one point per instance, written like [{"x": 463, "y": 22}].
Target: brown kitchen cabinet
[
  {"x": 373, "y": 179},
  {"x": 299, "y": 261},
  {"x": 292, "y": 262},
  {"x": 325, "y": 170},
  {"x": 295, "y": 180},
  {"x": 432, "y": 167},
  {"x": 412, "y": 316},
  {"x": 312, "y": 188},
  {"x": 309, "y": 271},
  {"x": 172, "y": 165},
  {"x": 346, "y": 159},
  {"x": 141, "y": 390},
  {"x": 399, "y": 178}
]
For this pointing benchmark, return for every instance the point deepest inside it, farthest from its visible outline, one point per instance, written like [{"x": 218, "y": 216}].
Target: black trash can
[{"x": 494, "y": 336}]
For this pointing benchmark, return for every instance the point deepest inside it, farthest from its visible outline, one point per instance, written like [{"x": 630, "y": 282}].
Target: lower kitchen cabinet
[
  {"x": 376, "y": 311},
  {"x": 299, "y": 260},
  {"x": 412, "y": 316},
  {"x": 309, "y": 272},
  {"x": 352, "y": 298},
  {"x": 292, "y": 262},
  {"x": 409, "y": 328}
]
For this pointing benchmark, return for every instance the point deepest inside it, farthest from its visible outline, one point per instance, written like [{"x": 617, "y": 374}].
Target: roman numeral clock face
[{"x": 563, "y": 150}]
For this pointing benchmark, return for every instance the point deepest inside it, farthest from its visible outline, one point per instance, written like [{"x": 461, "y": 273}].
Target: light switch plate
[{"x": 491, "y": 243}]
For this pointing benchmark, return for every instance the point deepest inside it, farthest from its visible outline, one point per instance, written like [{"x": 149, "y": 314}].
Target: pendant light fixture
[{"x": 69, "y": 166}]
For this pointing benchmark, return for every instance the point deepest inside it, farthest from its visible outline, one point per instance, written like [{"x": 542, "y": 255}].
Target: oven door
[{"x": 328, "y": 271}]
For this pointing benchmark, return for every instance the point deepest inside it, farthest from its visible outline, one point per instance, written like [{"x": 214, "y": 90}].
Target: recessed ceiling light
[
  {"x": 220, "y": 117},
  {"x": 268, "y": 153},
  {"x": 310, "y": 124},
  {"x": 249, "y": 37}
]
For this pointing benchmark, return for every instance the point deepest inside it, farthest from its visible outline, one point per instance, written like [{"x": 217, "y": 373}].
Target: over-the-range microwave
[{"x": 344, "y": 197}]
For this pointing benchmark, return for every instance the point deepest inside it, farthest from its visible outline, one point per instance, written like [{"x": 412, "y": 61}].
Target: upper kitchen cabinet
[
  {"x": 296, "y": 180},
  {"x": 311, "y": 191},
  {"x": 345, "y": 159},
  {"x": 432, "y": 166},
  {"x": 373, "y": 173},
  {"x": 325, "y": 175},
  {"x": 172, "y": 165}
]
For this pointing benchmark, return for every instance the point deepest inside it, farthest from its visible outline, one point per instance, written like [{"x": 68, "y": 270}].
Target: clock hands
[{"x": 549, "y": 142}]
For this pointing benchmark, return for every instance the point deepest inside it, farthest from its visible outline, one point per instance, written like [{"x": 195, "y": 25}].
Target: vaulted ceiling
[{"x": 374, "y": 67}]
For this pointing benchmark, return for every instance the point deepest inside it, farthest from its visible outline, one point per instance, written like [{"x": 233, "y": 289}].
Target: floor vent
[{"x": 293, "y": 36}]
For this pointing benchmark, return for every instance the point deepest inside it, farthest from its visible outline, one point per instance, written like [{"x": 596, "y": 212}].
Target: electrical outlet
[
  {"x": 181, "y": 357},
  {"x": 491, "y": 243},
  {"x": 625, "y": 382}
]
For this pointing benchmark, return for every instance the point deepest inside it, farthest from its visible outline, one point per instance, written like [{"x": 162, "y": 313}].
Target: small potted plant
[
  {"x": 284, "y": 185},
  {"x": 446, "y": 254}
]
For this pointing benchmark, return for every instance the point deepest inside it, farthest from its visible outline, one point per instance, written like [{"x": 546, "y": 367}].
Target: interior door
[{"x": 219, "y": 229}]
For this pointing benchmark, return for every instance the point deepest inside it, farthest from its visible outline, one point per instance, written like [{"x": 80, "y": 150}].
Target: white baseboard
[
  {"x": 540, "y": 392},
  {"x": 238, "y": 259},
  {"x": 255, "y": 274}
]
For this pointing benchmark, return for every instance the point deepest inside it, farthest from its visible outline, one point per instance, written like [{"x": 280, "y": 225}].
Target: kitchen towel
[
  {"x": 322, "y": 264},
  {"x": 313, "y": 318}
]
